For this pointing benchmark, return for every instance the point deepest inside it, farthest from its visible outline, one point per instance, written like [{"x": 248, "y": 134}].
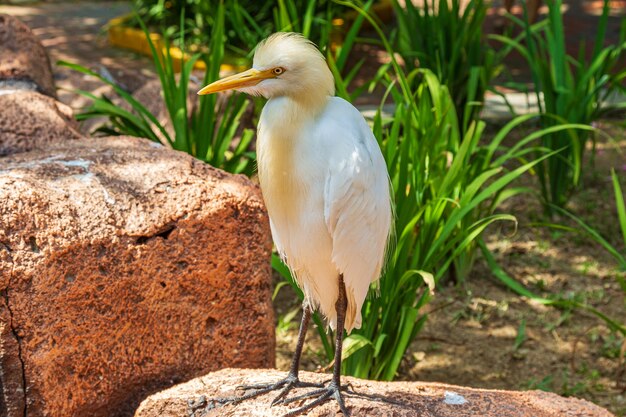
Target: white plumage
[
  {"x": 325, "y": 185},
  {"x": 328, "y": 204}
]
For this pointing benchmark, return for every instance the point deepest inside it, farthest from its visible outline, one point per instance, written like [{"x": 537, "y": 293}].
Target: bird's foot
[
  {"x": 332, "y": 390},
  {"x": 285, "y": 385},
  {"x": 200, "y": 406}
]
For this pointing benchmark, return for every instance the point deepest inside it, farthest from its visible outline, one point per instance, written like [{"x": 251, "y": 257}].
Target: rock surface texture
[
  {"x": 373, "y": 399},
  {"x": 24, "y": 63},
  {"x": 125, "y": 268},
  {"x": 31, "y": 120}
]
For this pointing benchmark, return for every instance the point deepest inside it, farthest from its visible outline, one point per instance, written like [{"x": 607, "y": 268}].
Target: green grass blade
[{"x": 619, "y": 204}]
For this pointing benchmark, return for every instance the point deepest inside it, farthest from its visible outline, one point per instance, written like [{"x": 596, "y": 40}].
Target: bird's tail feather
[{"x": 352, "y": 321}]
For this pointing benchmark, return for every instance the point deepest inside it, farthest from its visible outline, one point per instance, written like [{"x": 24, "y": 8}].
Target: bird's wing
[{"x": 357, "y": 209}]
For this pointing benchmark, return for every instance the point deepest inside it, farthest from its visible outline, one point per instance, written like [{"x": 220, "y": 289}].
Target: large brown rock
[
  {"x": 372, "y": 399},
  {"x": 30, "y": 120},
  {"x": 24, "y": 63},
  {"x": 125, "y": 268}
]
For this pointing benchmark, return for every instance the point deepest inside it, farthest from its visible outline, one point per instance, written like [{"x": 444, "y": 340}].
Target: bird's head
[{"x": 285, "y": 64}]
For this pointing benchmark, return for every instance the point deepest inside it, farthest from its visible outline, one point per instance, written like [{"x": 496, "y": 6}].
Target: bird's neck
[
  {"x": 289, "y": 113},
  {"x": 310, "y": 105},
  {"x": 284, "y": 126}
]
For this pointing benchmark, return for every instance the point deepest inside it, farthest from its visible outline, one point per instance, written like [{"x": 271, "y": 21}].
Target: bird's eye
[{"x": 278, "y": 70}]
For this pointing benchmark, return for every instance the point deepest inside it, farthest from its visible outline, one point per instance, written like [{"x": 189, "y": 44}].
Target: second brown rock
[{"x": 24, "y": 63}]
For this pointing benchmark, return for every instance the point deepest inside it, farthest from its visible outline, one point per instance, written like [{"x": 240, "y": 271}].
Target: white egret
[{"x": 325, "y": 184}]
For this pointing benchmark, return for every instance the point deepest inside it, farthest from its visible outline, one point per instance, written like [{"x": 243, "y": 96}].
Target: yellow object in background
[{"x": 125, "y": 37}]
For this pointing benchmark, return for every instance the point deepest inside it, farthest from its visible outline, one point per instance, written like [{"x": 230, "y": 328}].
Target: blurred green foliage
[
  {"x": 448, "y": 38},
  {"x": 209, "y": 130},
  {"x": 246, "y": 22},
  {"x": 568, "y": 89}
]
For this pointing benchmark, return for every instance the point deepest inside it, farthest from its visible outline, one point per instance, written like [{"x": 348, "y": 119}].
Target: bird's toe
[{"x": 320, "y": 396}]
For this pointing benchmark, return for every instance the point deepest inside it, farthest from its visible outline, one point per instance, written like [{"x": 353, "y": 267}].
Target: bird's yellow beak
[{"x": 243, "y": 79}]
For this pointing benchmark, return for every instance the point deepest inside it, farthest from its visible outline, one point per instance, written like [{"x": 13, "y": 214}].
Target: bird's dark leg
[
  {"x": 285, "y": 385},
  {"x": 333, "y": 390},
  {"x": 291, "y": 381}
]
